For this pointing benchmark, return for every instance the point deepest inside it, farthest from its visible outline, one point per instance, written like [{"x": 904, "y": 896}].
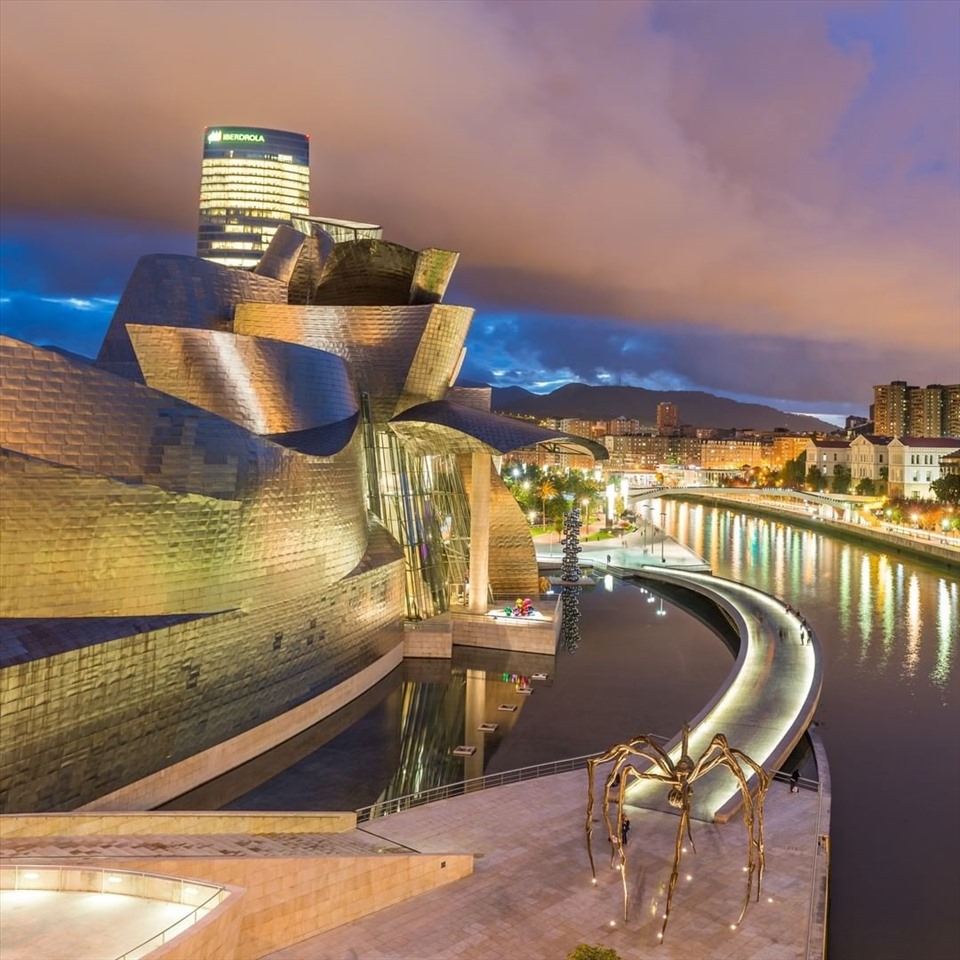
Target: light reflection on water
[{"x": 889, "y": 717}]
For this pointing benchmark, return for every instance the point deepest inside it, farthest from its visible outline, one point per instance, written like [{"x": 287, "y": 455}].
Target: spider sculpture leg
[
  {"x": 718, "y": 753},
  {"x": 677, "y": 853},
  {"x": 639, "y": 746}
]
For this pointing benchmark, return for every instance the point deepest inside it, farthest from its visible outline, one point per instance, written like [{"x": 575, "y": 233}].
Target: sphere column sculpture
[{"x": 570, "y": 573}]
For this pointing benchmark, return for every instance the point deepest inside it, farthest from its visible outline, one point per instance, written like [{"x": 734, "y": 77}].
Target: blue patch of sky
[{"x": 61, "y": 279}]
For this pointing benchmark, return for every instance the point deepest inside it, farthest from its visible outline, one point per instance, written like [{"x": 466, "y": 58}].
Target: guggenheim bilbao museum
[{"x": 214, "y": 534}]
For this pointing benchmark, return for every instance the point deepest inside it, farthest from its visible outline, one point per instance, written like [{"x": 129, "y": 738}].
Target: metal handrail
[
  {"x": 384, "y": 808},
  {"x": 159, "y": 939}
]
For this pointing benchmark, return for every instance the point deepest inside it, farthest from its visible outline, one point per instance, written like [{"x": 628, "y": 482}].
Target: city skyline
[{"x": 755, "y": 200}]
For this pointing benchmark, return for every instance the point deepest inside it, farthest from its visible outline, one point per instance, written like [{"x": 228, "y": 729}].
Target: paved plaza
[{"x": 531, "y": 894}]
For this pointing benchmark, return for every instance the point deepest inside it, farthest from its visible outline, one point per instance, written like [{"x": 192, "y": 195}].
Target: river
[{"x": 889, "y": 717}]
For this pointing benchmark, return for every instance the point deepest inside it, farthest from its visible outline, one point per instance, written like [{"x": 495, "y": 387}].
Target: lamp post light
[
  {"x": 586, "y": 512},
  {"x": 663, "y": 535}
]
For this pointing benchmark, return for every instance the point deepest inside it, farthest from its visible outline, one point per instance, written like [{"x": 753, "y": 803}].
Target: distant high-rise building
[
  {"x": 667, "y": 420},
  {"x": 890, "y": 409},
  {"x": 252, "y": 181},
  {"x": 900, "y": 410},
  {"x": 951, "y": 410}
]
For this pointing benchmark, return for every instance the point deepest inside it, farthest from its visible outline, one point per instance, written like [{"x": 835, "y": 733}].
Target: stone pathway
[{"x": 531, "y": 894}]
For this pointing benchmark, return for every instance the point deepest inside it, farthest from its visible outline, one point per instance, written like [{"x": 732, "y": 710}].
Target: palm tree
[{"x": 546, "y": 490}]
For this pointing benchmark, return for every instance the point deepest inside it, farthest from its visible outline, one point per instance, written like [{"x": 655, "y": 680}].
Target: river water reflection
[
  {"x": 889, "y": 718},
  {"x": 888, "y": 626}
]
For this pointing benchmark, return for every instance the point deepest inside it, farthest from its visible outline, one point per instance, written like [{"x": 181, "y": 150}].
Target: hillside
[{"x": 694, "y": 407}]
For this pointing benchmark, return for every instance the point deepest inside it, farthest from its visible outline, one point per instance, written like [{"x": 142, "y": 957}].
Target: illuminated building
[
  {"x": 213, "y": 534},
  {"x": 252, "y": 181},
  {"x": 900, "y": 410},
  {"x": 667, "y": 419}
]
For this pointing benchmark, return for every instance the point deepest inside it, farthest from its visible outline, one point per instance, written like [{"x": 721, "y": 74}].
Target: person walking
[
  {"x": 795, "y": 781},
  {"x": 624, "y": 830}
]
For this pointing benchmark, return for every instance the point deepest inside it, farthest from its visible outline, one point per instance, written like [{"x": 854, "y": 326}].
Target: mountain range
[{"x": 578, "y": 400}]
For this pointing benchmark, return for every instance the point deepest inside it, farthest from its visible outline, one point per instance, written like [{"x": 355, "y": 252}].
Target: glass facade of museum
[{"x": 252, "y": 181}]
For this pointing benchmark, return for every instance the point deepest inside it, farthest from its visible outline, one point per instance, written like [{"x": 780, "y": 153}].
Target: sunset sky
[{"x": 757, "y": 199}]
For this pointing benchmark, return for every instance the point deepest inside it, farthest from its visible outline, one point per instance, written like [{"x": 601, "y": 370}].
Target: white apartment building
[
  {"x": 827, "y": 455},
  {"x": 868, "y": 456},
  {"x": 915, "y": 464}
]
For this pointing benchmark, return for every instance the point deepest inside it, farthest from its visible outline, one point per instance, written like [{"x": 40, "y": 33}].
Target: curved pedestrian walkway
[
  {"x": 766, "y": 702},
  {"x": 530, "y": 894}
]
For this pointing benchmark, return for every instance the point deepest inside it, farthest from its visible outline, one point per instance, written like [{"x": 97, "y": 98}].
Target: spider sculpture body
[{"x": 679, "y": 776}]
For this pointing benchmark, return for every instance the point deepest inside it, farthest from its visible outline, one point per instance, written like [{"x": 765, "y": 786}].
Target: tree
[
  {"x": 794, "y": 471},
  {"x": 546, "y": 491},
  {"x": 816, "y": 480},
  {"x": 841, "y": 479},
  {"x": 947, "y": 489},
  {"x": 865, "y": 487}
]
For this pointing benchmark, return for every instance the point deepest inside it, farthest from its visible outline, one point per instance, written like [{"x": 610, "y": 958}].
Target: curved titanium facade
[
  {"x": 252, "y": 180},
  {"x": 228, "y": 516}
]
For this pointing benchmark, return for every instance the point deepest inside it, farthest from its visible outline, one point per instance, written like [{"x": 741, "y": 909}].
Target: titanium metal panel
[
  {"x": 122, "y": 501},
  {"x": 280, "y": 257},
  {"x": 432, "y": 275},
  {"x": 180, "y": 291},
  {"x": 266, "y": 386},
  {"x": 368, "y": 273},
  {"x": 398, "y": 355},
  {"x": 513, "y": 557},
  {"x": 437, "y": 423}
]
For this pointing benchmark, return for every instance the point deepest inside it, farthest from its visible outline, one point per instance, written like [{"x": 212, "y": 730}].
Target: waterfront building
[
  {"x": 624, "y": 427},
  {"x": 915, "y": 463},
  {"x": 827, "y": 455},
  {"x": 891, "y": 408},
  {"x": 869, "y": 458},
  {"x": 214, "y": 534},
  {"x": 734, "y": 455},
  {"x": 252, "y": 180},
  {"x": 786, "y": 447}
]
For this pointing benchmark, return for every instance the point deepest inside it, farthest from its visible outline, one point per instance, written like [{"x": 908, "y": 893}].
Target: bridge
[{"x": 838, "y": 502}]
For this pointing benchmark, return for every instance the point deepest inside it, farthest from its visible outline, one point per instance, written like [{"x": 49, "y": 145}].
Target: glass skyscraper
[{"x": 252, "y": 180}]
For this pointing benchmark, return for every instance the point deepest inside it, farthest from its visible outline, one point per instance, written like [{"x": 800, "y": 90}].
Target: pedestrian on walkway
[
  {"x": 780, "y": 631},
  {"x": 624, "y": 830},
  {"x": 795, "y": 781}
]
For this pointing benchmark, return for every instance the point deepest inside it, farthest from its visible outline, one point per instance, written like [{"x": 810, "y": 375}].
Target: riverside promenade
[
  {"x": 531, "y": 893},
  {"x": 531, "y": 896},
  {"x": 525, "y": 889}
]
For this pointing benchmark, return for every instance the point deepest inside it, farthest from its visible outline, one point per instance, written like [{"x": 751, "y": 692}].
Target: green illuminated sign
[{"x": 234, "y": 136}]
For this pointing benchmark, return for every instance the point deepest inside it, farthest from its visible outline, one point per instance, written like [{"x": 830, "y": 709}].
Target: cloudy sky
[{"x": 759, "y": 199}]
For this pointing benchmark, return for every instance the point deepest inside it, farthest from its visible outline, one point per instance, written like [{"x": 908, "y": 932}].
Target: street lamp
[
  {"x": 586, "y": 509},
  {"x": 663, "y": 534}
]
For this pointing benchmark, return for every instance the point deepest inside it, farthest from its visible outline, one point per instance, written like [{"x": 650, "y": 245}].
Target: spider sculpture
[{"x": 679, "y": 777}]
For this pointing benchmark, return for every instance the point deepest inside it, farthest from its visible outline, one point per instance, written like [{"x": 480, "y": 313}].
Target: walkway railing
[{"x": 385, "y": 807}]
